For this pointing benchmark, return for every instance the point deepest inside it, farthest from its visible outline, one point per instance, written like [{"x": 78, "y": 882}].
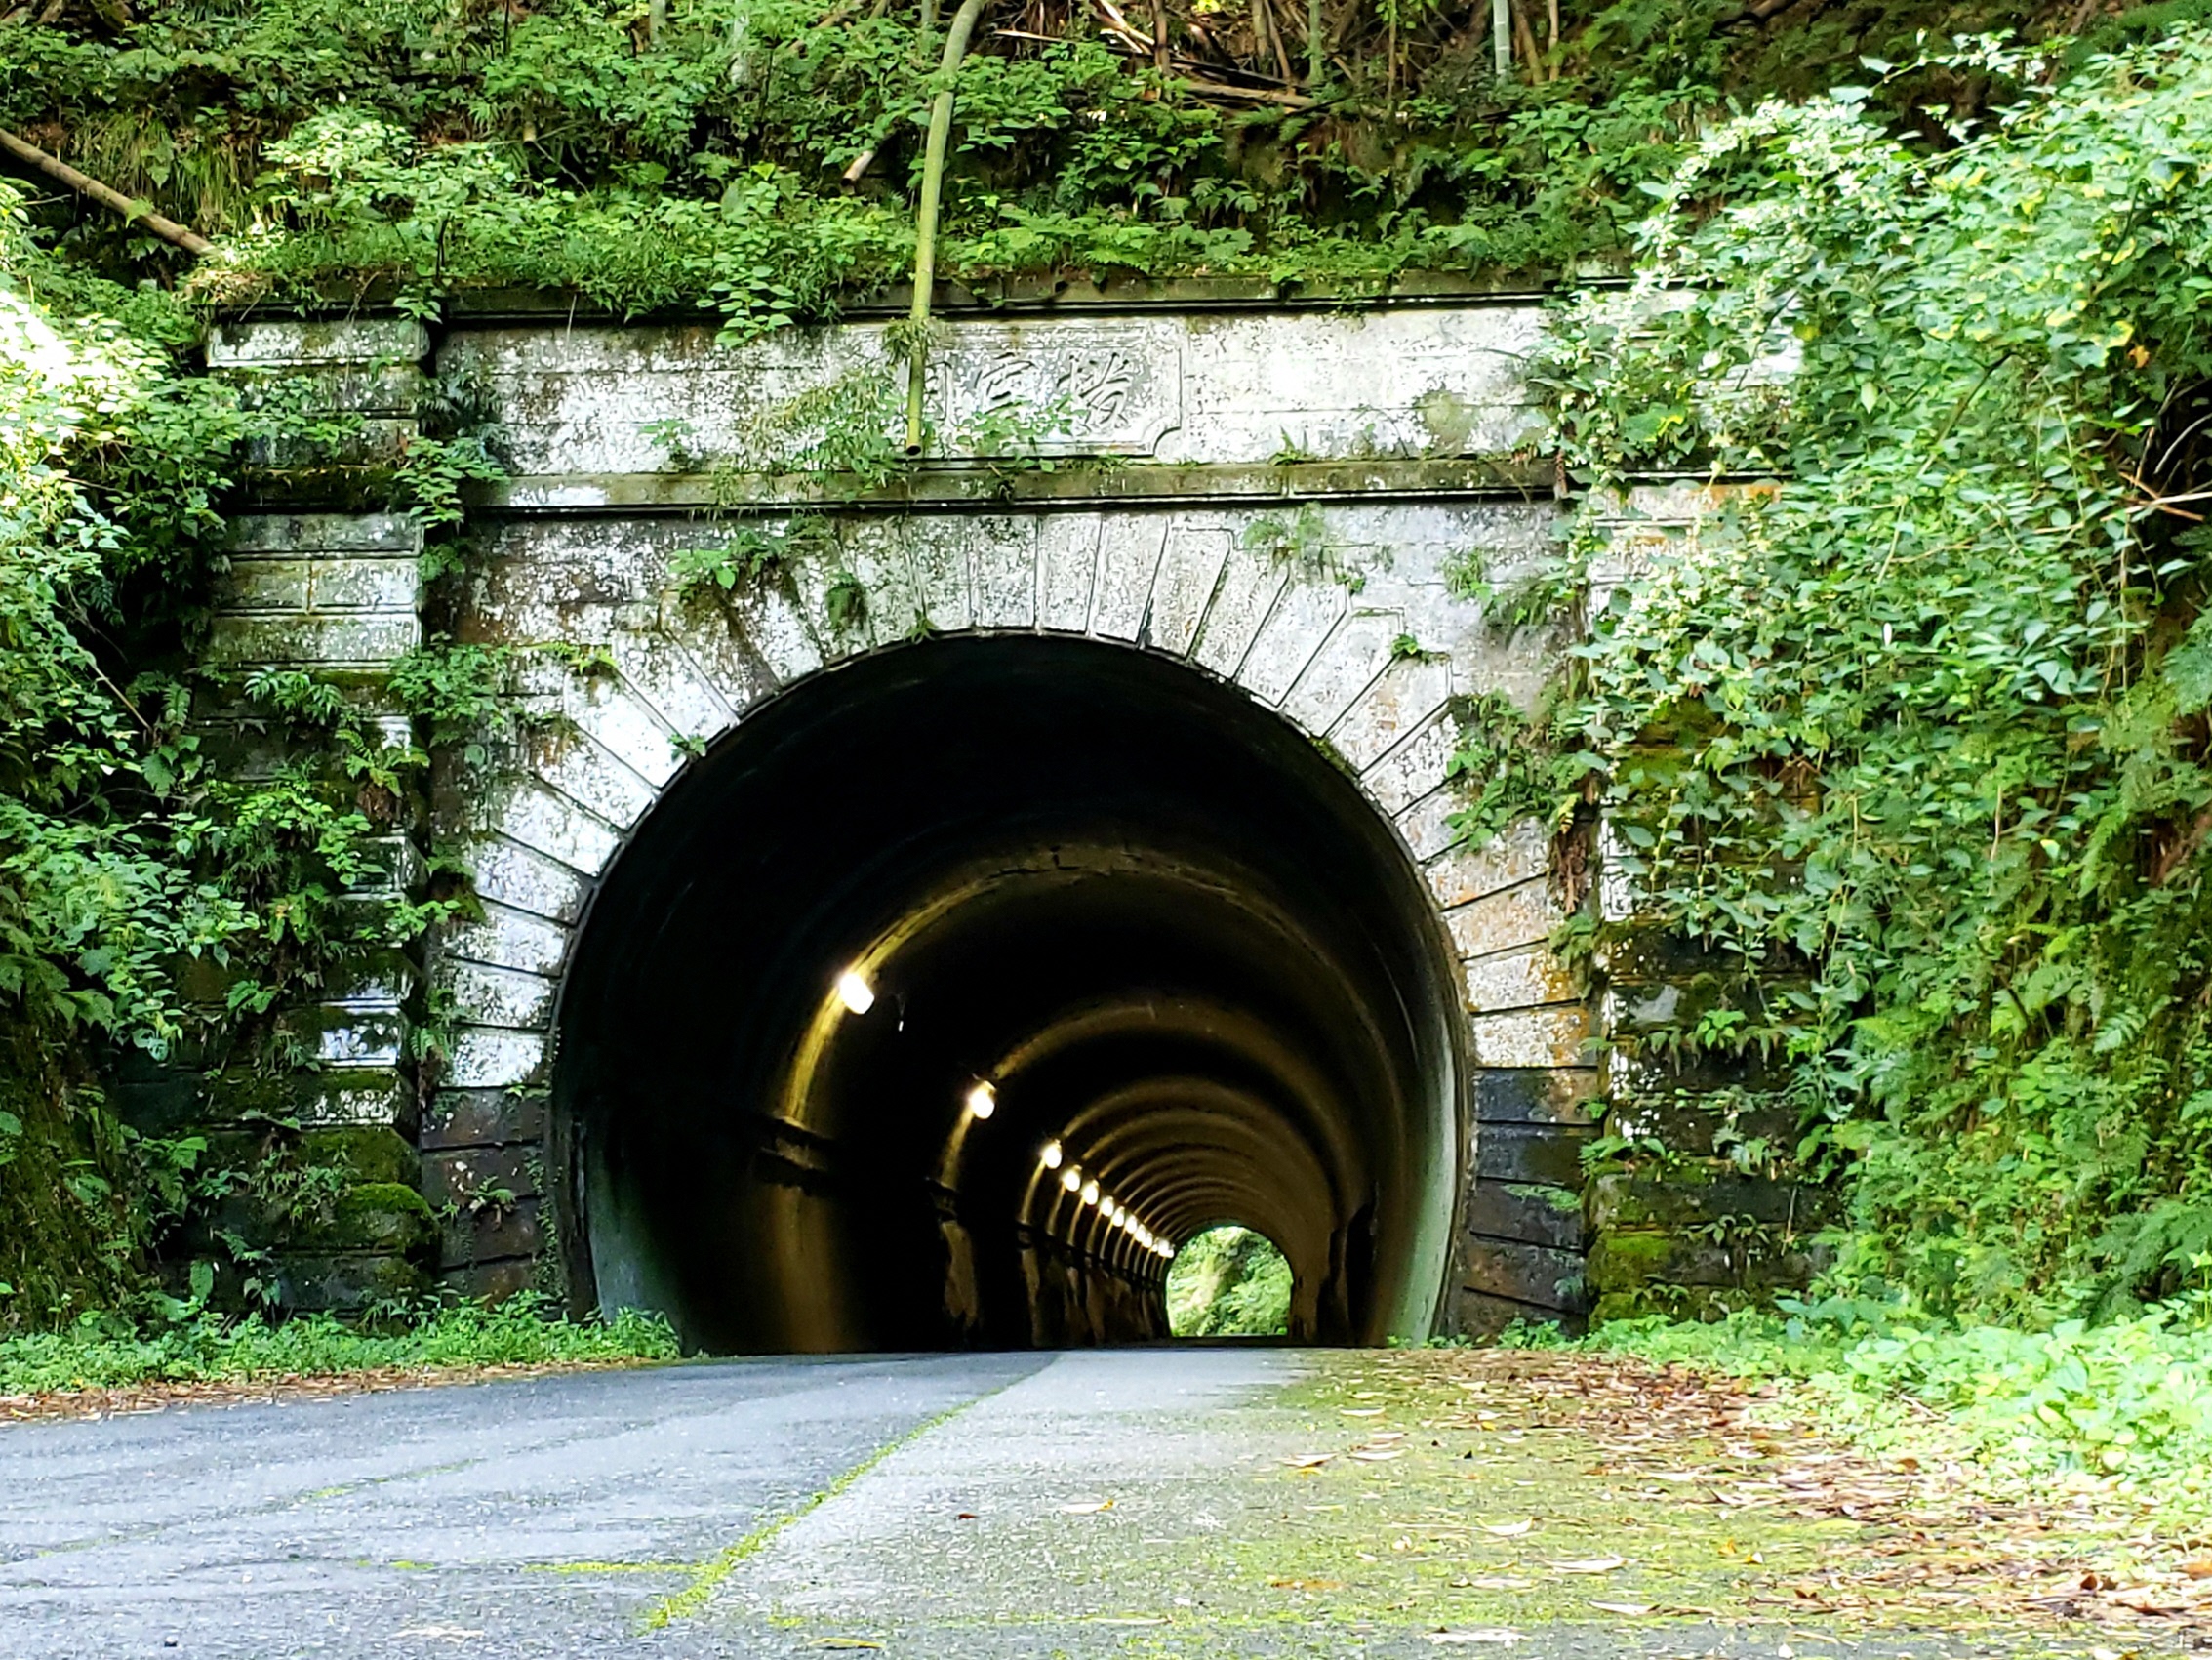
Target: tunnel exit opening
[{"x": 955, "y": 987}]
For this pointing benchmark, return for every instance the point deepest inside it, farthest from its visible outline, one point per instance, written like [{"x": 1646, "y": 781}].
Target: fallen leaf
[
  {"x": 1482, "y": 1634},
  {"x": 2202, "y": 1568},
  {"x": 1310, "y": 1460},
  {"x": 1635, "y": 1610},
  {"x": 1091, "y": 1509},
  {"x": 1361, "y": 1411},
  {"x": 846, "y": 1642},
  {"x": 1377, "y": 1455},
  {"x": 1589, "y": 1564},
  {"x": 1494, "y": 1582},
  {"x": 1507, "y": 1530}
]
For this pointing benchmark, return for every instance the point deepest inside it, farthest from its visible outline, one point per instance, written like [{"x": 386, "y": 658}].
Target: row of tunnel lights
[{"x": 859, "y": 996}]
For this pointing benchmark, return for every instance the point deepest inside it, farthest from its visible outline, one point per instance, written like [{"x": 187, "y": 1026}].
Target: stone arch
[{"x": 1342, "y": 624}]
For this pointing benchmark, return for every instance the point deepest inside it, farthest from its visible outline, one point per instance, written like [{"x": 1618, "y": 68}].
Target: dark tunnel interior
[{"x": 1136, "y": 958}]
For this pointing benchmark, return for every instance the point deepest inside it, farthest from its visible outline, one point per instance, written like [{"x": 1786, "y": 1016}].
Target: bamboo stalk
[
  {"x": 1267, "y": 8},
  {"x": 168, "y": 230}
]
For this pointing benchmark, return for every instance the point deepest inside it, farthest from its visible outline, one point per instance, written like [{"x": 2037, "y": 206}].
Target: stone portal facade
[{"x": 1288, "y": 501}]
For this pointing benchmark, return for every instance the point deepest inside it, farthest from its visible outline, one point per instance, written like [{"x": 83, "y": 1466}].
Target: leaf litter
[{"x": 1870, "y": 1538}]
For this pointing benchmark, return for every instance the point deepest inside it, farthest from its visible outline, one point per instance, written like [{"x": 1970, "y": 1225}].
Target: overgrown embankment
[{"x": 1916, "y": 749}]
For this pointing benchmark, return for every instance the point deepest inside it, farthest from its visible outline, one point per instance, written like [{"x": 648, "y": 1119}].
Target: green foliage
[
  {"x": 1917, "y": 743},
  {"x": 2028, "y": 1412},
  {"x": 1228, "y": 1282},
  {"x": 429, "y": 148},
  {"x": 103, "y": 1352}
]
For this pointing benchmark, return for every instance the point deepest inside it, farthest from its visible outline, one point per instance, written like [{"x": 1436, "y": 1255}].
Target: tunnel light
[
  {"x": 855, "y": 993},
  {"x": 1114, "y": 1213},
  {"x": 1090, "y": 1193},
  {"x": 1051, "y": 1157},
  {"x": 1073, "y": 1179},
  {"x": 1106, "y": 1206},
  {"x": 983, "y": 1101}
]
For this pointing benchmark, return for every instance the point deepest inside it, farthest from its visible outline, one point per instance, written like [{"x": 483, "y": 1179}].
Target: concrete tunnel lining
[{"x": 1157, "y": 916}]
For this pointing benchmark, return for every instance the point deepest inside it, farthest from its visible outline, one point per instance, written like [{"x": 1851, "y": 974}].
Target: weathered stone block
[
  {"x": 1530, "y": 1214},
  {"x": 1500, "y": 921},
  {"x": 481, "y": 1117},
  {"x": 1632, "y": 1259},
  {"x": 1533, "y": 1037},
  {"x": 1346, "y": 665},
  {"x": 1690, "y": 1125},
  {"x": 1535, "y": 1275},
  {"x": 1305, "y": 615},
  {"x": 1129, "y": 553},
  {"x": 365, "y": 640},
  {"x": 1249, "y": 584},
  {"x": 1532, "y": 977},
  {"x": 284, "y": 341},
  {"x": 343, "y": 1284},
  {"x": 491, "y": 1233},
  {"x": 497, "y": 997},
  {"x": 551, "y": 823},
  {"x": 1479, "y": 1316},
  {"x": 481, "y": 1177},
  {"x": 573, "y": 763},
  {"x": 317, "y": 534},
  {"x": 1405, "y": 695},
  {"x": 389, "y": 1217},
  {"x": 1543, "y": 1153},
  {"x": 1190, "y": 564},
  {"x": 491, "y": 1057},
  {"x": 509, "y": 939},
  {"x": 1546, "y": 1095},
  {"x": 1694, "y": 1197},
  {"x": 1067, "y": 554}
]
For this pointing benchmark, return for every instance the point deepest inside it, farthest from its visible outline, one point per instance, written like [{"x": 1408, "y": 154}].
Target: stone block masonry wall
[
  {"x": 326, "y": 588},
  {"x": 1680, "y": 1225},
  {"x": 1381, "y": 441}
]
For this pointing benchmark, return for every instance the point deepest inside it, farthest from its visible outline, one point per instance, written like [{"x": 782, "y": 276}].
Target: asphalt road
[
  {"x": 492, "y": 1518},
  {"x": 1132, "y": 1503}
]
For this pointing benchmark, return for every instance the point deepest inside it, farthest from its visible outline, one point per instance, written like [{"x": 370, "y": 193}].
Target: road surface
[{"x": 1023, "y": 1507}]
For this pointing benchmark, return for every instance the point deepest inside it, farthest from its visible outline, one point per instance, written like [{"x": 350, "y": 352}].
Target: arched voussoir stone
[{"x": 1345, "y": 623}]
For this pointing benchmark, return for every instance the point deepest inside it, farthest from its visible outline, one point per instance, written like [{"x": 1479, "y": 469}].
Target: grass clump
[
  {"x": 1228, "y": 1282},
  {"x": 102, "y": 1351}
]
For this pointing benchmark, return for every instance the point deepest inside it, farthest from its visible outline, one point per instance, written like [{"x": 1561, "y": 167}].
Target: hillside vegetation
[{"x": 1946, "y": 702}]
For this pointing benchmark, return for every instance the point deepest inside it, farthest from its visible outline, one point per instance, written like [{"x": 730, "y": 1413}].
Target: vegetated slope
[
  {"x": 761, "y": 155},
  {"x": 1918, "y": 746}
]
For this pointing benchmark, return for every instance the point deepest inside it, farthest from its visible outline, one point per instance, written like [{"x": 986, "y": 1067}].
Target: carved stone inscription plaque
[{"x": 1113, "y": 387}]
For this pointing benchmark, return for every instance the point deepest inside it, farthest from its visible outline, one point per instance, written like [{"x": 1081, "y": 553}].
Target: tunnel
[{"x": 936, "y": 1001}]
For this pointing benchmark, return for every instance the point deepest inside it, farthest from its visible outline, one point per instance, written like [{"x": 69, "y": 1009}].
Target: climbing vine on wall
[{"x": 1919, "y": 744}]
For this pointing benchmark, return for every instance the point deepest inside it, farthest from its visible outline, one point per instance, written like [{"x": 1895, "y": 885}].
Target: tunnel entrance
[{"x": 927, "y": 934}]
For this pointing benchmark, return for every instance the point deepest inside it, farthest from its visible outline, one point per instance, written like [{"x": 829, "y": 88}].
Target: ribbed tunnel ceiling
[{"x": 1172, "y": 938}]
